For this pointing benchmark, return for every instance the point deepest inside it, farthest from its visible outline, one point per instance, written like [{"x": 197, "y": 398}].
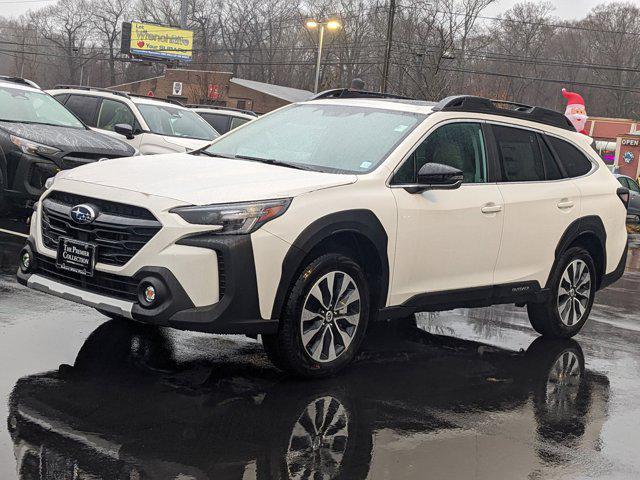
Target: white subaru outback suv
[
  {"x": 313, "y": 220},
  {"x": 152, "y": 125}
]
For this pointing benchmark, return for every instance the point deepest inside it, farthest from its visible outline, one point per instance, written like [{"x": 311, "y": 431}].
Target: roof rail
[
  {"x": 348, "y": 93},
  {"x": 92, "y": 89},
  {"x": 469, "y": 103},
  {"x": 219, "y": 107},
  {"x": 160, "y": 99},
  {"x": 19, "y": 80}
]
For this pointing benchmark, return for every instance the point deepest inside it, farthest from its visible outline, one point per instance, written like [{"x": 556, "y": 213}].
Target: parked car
[
  {"x": 150, "y": 124},
  {"x": 311, "y": 220},
  {"x": 99, "y": 417},
  {"x": 634, "y": 196},
  {"x": 223, "y": 119},
  {"x": 38, "y": 138}
]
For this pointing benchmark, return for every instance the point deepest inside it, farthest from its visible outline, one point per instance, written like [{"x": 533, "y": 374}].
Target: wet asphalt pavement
[{"x": 470, "y": 393}]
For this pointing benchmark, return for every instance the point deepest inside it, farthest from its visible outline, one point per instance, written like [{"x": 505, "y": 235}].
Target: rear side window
[
  {"x": 633, "y": 186},
  {"x": 219, "y": 122},
  {"x": 84, "y": 107},
  {"x": 61, "y": 97},
  {"x": 520, "y": 154},
  {"x": 551, "y": 169},
  {"x": 575, "y": 163},
  {"x": 237, "y": 121}
]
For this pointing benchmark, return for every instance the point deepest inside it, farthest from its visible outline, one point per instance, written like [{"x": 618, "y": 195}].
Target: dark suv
[{"x": 38, "y": 138}]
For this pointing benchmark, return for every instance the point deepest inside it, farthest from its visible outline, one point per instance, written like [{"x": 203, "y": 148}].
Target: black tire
[
  {"x": 545, "y": 317},
  {"x": 286, "y": 350}
]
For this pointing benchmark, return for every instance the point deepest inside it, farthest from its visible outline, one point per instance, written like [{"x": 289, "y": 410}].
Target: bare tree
[{"x": 106, "y": 19}]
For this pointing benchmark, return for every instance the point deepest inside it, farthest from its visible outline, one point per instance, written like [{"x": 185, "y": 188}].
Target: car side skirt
[{"x": 518, "y": 293}]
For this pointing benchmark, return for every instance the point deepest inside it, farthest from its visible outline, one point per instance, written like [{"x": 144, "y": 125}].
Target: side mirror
[
  {"x": 124, "y": 129},
  {"x": 436, "y": 176}
]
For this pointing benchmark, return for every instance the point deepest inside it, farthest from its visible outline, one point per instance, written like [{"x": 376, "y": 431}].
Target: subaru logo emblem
[{"x": 83, "y": 214}]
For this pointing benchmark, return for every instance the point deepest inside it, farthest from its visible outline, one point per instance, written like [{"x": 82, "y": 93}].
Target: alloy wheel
[
  {"x": 330, "y": 316},
  {"x": 574, "y": 292},
  {"x": 318, "y": 440}
]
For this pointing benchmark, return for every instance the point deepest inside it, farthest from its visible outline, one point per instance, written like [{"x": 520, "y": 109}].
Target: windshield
[
  {"x": 30, "y": 106},
  {"x": 329, "y": 138},
  {"x": 176, "y": 122}
]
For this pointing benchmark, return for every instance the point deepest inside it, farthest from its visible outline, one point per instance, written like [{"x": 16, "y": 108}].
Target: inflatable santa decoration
[{"x": 575, "y": 111}]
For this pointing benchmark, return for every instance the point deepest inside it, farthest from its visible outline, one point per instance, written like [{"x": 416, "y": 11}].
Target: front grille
[
  {"x": 119, "y": 230},
  {"x": 75, "y": 159},
  {"x": 124, "y": 288}
]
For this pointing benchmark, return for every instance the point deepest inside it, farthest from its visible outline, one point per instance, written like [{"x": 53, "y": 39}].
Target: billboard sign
[{"x": 156, "y": 41}]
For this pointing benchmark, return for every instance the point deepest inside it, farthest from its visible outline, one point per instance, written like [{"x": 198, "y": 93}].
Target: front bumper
[
  {"x": 236, "y": 311},
  {"x": 29, "y": 177}
]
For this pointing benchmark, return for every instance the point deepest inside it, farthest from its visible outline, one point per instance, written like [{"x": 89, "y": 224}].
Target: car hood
[
  {"x": 69, "y": 139},
  {"x": 200, "y": 180},
  {"x": 188, "y": 143}
]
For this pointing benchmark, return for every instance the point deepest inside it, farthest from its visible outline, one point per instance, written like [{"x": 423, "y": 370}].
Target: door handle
[
  {"x": 565, "y": 204},
  {"x": 490, "y": 208}
]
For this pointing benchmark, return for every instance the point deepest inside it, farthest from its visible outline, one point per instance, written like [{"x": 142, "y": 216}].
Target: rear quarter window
[
  {"x": 575, "y": 162},
  {"x": 85, "y": 108}
]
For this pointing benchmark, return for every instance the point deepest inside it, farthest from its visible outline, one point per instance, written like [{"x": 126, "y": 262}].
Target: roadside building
[
  {"x": 618, "y": 142},
  {"x": 216, "y": 88}
]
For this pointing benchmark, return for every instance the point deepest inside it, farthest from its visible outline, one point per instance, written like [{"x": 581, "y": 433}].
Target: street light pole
[
  {"x": 320, "y": 43},
  {"x": 388, "y": 46},
  {"x": 331, "y": 25}
]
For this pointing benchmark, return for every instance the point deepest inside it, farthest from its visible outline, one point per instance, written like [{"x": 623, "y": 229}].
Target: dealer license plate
[{"x": 76, "y": 256}]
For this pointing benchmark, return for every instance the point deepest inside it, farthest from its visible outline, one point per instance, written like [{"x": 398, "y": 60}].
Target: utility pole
[
  {"x": 183, "y": 13},
  {"x": 387, "y": 53}
]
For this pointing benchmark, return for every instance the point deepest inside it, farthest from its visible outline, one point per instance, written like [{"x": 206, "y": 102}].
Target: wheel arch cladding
[
  {"x": 357, "y": 233},
  {"x": 590, "y": 234}
]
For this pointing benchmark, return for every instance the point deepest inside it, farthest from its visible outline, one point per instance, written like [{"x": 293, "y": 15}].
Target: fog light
[
  {"x": 150, "y": 294},
  {"x": 26, "y": 260}
]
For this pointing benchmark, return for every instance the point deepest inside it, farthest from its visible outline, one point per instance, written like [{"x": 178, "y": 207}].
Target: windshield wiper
[
  {"x": 30, "y": 122},
  {"x": 273, "y": 161},
  {"x": 209, "y": 154}
]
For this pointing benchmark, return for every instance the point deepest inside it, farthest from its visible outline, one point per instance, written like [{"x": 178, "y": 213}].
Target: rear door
[{"x": 539, "y": 204}]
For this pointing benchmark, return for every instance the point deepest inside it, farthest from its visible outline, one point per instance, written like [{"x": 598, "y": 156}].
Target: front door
[{"x": 447, "y": 239}]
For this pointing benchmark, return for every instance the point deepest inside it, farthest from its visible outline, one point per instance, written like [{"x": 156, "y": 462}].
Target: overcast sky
[{"x": 568, "y": 9}]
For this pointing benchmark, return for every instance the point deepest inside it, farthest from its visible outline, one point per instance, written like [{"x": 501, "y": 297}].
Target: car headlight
[
  {"x": 235, "y": 218},
  {"x": 31, "y": 147}
]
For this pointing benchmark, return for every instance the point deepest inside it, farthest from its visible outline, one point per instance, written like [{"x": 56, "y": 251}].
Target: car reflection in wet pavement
[
  {"x": 130, "y": 408},
  {"x": 462, "y": 394}
]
